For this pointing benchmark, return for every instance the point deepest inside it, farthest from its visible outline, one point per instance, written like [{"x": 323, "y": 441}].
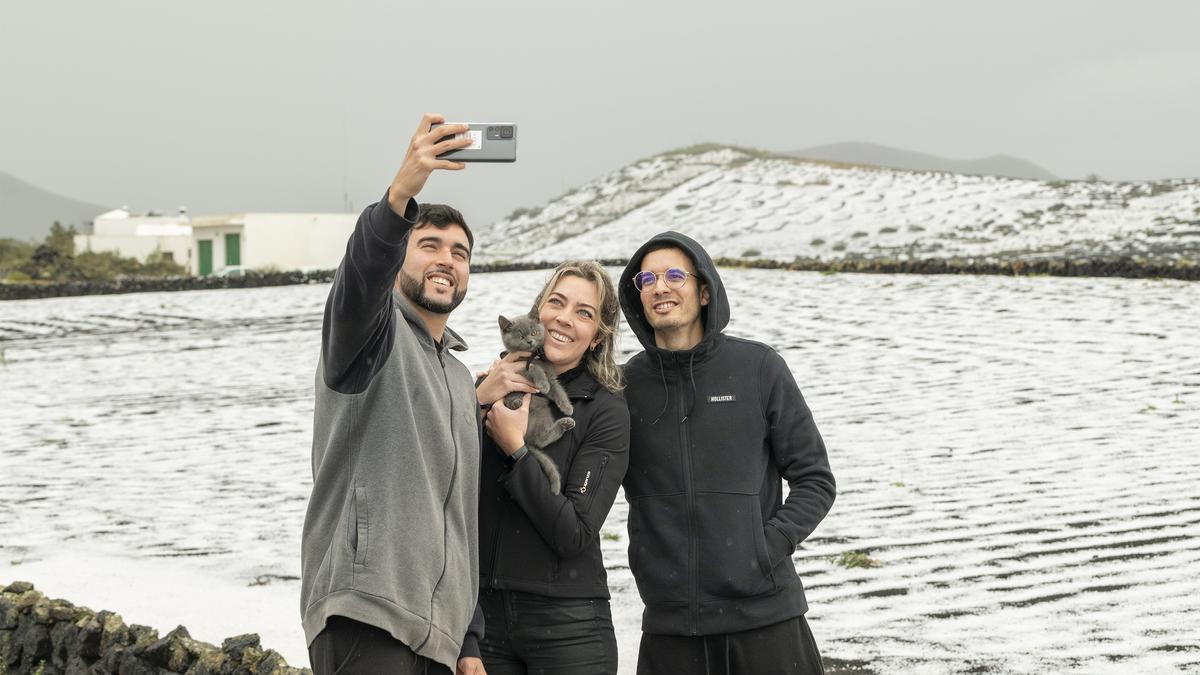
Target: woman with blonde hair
[{"x": 543, "y": 587}]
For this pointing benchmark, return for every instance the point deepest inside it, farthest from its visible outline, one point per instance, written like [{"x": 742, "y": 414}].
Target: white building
[
  {"x": 213, "y": 244},
  {"x": 281, "y": 241},
  {"x": 140, "y": 235}
]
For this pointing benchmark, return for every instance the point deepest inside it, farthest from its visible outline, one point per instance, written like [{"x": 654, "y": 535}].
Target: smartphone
[{"x": 493, "y": 142}]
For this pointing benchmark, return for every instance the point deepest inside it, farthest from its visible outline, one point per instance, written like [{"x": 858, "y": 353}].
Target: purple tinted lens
[
  {"x": 643, "y": 279},
  {"x": 676, "y": 276}
]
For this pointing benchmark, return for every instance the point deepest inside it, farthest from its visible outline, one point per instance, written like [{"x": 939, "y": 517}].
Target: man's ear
[{"x": 703, "y": 295}]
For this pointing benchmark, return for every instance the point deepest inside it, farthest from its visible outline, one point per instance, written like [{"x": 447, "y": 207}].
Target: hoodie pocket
[
  {"x": 361, "y": 526},
  {"x": 658, "y": 548},
  {"x": 732, "y": 547}
]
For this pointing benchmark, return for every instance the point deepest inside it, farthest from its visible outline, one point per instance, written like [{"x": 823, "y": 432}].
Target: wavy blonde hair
[{"x": 601, "y": 360}]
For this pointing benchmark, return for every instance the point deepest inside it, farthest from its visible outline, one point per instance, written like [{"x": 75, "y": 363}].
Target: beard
[{"x": 414, "y": 289}]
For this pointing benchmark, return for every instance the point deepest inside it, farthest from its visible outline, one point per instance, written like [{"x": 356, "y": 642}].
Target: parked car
[{"x": 231, "y": 271}]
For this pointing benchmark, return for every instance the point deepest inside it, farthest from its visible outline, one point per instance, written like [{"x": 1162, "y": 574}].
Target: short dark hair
[{"x": 441, "y": 217}]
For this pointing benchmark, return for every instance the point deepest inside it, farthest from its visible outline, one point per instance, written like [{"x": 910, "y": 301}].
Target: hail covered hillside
[
  {"x": 1016, "y": 457},
  {"x": 746, "y": 204}
]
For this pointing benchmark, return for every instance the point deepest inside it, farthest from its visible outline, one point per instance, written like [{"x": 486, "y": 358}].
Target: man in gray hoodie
[{"x": 390, "y": 565}]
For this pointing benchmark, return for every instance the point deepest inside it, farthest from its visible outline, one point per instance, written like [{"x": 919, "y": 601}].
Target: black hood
[{"x": 715, "y": 315}]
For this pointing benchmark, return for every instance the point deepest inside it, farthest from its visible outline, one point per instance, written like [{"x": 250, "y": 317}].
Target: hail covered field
[{"x": 1016, "y": 458}]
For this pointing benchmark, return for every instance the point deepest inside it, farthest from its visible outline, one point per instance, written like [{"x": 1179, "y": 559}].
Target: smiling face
[
  {"x": 673, "y": 313},
  {"x": 570, "y": 315},
  {"x": 437, "y": 266}
]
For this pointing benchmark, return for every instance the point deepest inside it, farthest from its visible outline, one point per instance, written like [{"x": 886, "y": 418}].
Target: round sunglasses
[{"x": 673, "y": 277}]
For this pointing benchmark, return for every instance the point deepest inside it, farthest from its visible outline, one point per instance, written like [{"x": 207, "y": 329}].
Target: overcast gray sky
[{"x": 280, "y": 105}]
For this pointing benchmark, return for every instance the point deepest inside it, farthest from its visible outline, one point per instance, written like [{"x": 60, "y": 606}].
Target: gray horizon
[{"x": 304, "y": 106}]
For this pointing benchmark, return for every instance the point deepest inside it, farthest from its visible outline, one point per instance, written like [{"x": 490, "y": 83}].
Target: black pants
[
  {"x": 527, "y": 634},
  {"x": 784, "y": 648},
  {"x": 349, "y": 647}
]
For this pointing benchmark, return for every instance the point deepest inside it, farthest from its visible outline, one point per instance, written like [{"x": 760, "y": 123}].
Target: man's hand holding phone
[{"x": 421, "y": 158}]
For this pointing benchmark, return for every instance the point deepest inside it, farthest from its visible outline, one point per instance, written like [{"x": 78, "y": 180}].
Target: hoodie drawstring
[
  {"x": 666, "y": 392},
  {"x": 704, "y": 640},
  {"x": 727, "y": 670},
  {"x": 692, "y": 377}
]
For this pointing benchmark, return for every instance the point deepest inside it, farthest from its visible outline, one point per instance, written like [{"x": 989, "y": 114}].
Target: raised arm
[
  {"x": 356, "y": 335},
  {"x": 357, "y": 329},
  {"x": 799, "y": 452}
]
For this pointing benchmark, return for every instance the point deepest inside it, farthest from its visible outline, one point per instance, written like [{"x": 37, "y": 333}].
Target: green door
[
  {"x": 233, "y": 249},
  {"x": 205, "y": 246}
]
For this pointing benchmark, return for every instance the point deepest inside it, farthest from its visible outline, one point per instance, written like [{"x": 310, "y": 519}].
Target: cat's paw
[
  {"x": 513, "y": 400},
  {"x": 566, "y": 423}
]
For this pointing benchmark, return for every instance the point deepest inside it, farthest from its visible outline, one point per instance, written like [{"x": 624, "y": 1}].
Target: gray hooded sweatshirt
[{"x": 390, "y": 536}]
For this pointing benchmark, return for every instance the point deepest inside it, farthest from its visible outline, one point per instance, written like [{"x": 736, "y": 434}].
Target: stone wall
[
  {"x": 1129, "y": 268},
  {"x": 32, "y": 290},
  {"x": 41, "y": 636}
]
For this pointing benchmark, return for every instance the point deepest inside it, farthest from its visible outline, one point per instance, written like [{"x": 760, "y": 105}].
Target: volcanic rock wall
[{"x": 41, "y": 636}]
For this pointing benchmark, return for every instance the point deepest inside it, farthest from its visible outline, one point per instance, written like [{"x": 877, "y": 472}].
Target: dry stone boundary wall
[
  {"x": 33, "y": 290},
  {"x": 1126, "y": 268},
  {"x": 1129, "y": 268},
  {"x": 41, "y": 636}
]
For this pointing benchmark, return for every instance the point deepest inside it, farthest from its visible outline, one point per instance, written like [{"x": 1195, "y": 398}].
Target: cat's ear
[
  {"x": 505, "y": 324},
  {"x": 534, "y": 313}
]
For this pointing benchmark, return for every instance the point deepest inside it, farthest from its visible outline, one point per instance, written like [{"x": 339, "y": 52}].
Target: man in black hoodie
[{"x": 717, "y": 424}]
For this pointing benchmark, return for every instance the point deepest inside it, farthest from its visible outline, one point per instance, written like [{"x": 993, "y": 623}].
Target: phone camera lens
[{"x": 506, "y": 132}]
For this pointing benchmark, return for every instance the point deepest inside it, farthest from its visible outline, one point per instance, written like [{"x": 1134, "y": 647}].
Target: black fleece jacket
[
  {"x": 714, "y": 429},
  {"x": 535, "y": 541}
]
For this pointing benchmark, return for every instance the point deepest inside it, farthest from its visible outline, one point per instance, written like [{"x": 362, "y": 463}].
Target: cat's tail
[{"x": 549, "y": 468}]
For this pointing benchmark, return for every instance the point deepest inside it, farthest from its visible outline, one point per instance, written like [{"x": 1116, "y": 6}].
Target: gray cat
[{"x": 525, "y": 334}]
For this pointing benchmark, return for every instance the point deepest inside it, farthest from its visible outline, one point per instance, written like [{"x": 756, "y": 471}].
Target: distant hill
[
  {"x": 745, "y": 203},
  {"x": 26, "y": 211},
  {"x": 894, "y": 158}
]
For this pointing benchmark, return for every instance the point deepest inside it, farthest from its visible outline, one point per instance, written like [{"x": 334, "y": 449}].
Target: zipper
[
  {"x": 693, "y": 544},
  {"x": 496, "y": 544},
  {"x": 446, "y": 499}
]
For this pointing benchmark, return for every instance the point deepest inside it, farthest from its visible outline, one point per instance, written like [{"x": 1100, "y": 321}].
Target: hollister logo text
[{"x": 724, "y": 398}]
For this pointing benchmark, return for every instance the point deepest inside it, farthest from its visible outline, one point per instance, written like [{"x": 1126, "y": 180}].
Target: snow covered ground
[
  {"x": 744, "y": 204},
  {"x": 1018, "y": 454}
]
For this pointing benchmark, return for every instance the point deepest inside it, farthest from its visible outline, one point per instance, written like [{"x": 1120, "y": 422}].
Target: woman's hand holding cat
[
  {"x": 505, "y": 375},
  {"x": 507, "y": 427},
  {"x": 470, "y": 665}
]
